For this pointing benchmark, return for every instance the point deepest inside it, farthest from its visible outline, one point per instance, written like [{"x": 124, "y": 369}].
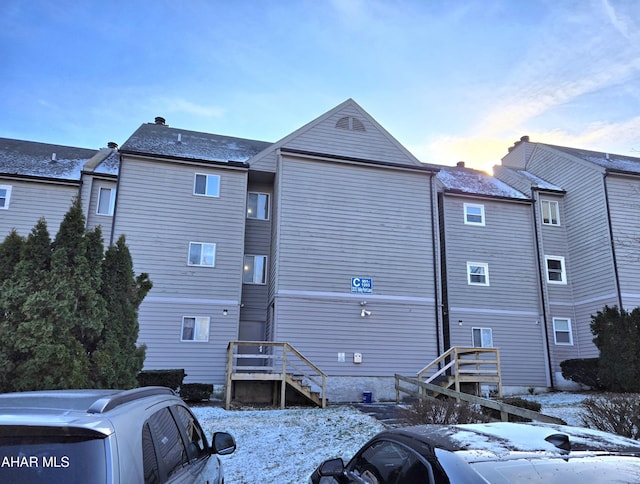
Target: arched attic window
[{"x": 350, "y": 123}]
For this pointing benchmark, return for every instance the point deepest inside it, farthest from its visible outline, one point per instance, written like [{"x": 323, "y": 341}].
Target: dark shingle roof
[
  {"x": 159, "y": 139},
  {"x": 28, "y": 158}
]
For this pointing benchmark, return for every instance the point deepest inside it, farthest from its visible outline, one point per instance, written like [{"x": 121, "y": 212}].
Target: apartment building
[{"x": 338, "y": 241}]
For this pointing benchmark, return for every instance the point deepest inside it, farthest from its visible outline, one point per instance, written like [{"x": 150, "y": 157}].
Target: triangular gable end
[{"x": 345, "y": 131}]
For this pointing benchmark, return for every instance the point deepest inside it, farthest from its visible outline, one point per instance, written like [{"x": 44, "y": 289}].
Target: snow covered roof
[
  {"x": 538, "y": 182},
  {"x": 110, "y": 165},
  {"x": 609, "y": 161},
  {"x": 160, "y": 139},
  {"x": 28, "y": 158},
  {"x": 474, "y": 182}
]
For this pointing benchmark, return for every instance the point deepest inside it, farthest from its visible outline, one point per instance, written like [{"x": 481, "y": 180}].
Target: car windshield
[
  {"x": 52, "y": 459},
  {"x": 597, "y": 469}
]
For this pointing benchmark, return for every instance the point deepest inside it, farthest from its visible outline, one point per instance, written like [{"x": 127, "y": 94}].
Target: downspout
[
  {"x": 435, "y": 266},
  {"x": 613, "y": 248},
  {"x": 115, "y": 204},
  {"x": 542, "y": 291}
]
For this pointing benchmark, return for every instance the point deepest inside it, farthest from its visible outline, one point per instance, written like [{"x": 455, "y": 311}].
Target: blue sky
[{"x": 451, "y": 80}]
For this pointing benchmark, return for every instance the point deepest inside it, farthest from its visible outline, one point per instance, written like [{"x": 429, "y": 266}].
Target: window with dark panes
[
  {"x": 196, "y": 446},
  {"x": 167, "y": 440},
  {"x": 149, "y": 459}
]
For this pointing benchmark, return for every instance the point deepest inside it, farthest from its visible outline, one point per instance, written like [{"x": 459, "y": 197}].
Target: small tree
[
  {"x": 64, "y": 323},
  {"x": 617, "y": 336},
  {"x": 117, "y": 360}
]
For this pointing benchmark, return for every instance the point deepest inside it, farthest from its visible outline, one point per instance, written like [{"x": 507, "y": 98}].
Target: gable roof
[
  {"x": 42, "y": 160},
  {"x": 461, "y": 180},
  {"x": 346, "y": 131},
  {"x": 161, "y": 140}
]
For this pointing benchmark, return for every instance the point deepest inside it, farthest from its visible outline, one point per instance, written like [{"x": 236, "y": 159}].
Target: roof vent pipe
[
  {"x": 54, "y": 157},
  {"x": 160, "y": 120},
  {"x": 112, "y": 145}
]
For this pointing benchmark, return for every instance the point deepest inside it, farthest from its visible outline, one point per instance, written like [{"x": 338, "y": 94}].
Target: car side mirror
[
  {"x": 223, "y": 443},
  {"x": 332, "y": 468}
]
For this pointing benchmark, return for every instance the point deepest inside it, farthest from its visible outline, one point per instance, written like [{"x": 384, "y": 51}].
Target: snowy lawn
[{"x": 285, "y": 446}]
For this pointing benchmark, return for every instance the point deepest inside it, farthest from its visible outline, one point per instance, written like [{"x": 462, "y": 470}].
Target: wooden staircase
[
  {"x": 464, "y": 369},
  {"x": 279, "y": 363}
]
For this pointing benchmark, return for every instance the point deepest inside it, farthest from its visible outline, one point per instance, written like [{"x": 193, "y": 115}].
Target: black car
[{"x": 497, "y": 453}]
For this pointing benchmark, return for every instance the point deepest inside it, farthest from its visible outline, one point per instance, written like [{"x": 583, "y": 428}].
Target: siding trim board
[
  {"x": 42, "y": 179},
  {"x": 289, "y": 293},
  {"x": 185, "y": 160},
  {"x": 310, "y": 155}
]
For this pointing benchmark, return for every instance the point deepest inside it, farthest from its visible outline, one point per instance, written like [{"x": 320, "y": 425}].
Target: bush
[
  {"x": 617, "y": 336},
  {"x": 447, "y": 411},
  {"x": 583, "y": 371},
  {"x": 164, "y": 378},
  {"x": 196, "y": 392},
  {"x": 615, "y": 413},
  {"x": 516, "y": 402}
]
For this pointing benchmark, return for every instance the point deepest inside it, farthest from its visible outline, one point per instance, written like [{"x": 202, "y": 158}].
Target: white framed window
[
  {"x": 473, "y": 214},
  {"x": 550, "y": 212},
  {"x": 195, "y": 328},
  {"x": 562, "y": 334},
  {"x": 255, "y": 269},
  {"x": 202, "y": 254},
  {"x": 106, "y": 201},
  {"x": 556, "y": 273},
  {"x": 258, "y": 206},
  {"x": 5, "y": 196},
  {"x": 477, "y": 273},
  {"x": 482, "y": 337},
  {"x": 206, "y": 185}
]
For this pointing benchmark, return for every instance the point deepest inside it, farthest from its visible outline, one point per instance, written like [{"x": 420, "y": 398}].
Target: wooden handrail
[
  {"x": 288, "y": 357},
  {"x": 504, "y": 408},
  {"x": 460, "y": 358}
]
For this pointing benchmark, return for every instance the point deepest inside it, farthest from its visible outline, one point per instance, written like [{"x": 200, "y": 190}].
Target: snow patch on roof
[
  {"x": 158, "y": 139},
  {"x": 43, "y": 160},
  {"x": 110, "y": 165},
  {"x": 539, "y": 182},
  {"x": 609, "y": 161},
  {"x": 477, "y": 183}
]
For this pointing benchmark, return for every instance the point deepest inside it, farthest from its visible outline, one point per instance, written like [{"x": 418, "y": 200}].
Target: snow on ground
[{"x": 285, "y": 446}]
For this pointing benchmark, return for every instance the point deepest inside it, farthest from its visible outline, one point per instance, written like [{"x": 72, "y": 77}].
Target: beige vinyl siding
[
  {"x": 337, "y": 221},
  {"x": 204, "y": 362},
  {"x": 589, "y": 260},
  {"x": 257, "y": 241},
  {"x": 159, "y": 215},
  {"x": 399, "y": 337},
  {"x": 518, "y": 335},
  {"x": 624, "y": 207},
  {"x": 372, "y": 144},
  {"x": 512, "y": 178},
  {"x": 505, "y": 243},
  {"x": 32, "y": 200},
  {"x": 93, "y": 218},
  {"x": 341, "y": 220},
  {"x": 510, "y": 304}
]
